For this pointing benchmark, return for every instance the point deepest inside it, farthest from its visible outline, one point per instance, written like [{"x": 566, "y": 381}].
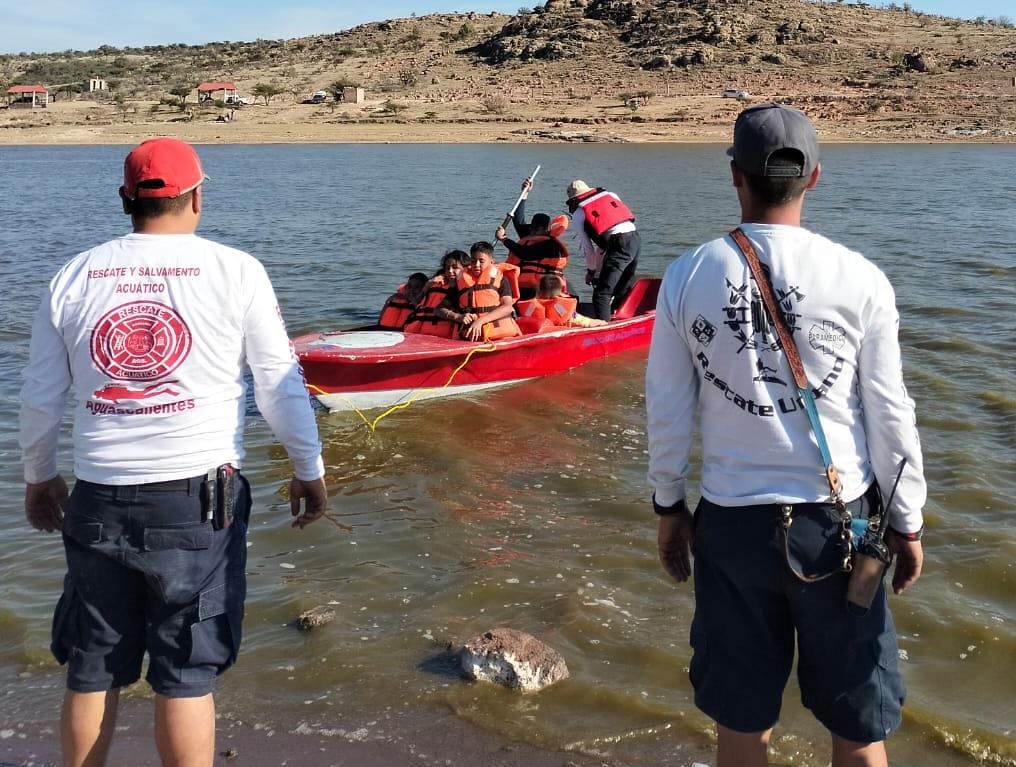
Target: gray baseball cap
[{"x": 761, "y": 131}]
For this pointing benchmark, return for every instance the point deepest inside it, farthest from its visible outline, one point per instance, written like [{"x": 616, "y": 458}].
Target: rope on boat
[{"x": 372, "y": 425}]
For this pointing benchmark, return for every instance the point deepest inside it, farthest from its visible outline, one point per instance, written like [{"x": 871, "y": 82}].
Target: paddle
[{"x": 511, "y": 214}]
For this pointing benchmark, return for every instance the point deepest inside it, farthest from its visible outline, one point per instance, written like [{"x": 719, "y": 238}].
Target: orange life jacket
[
  {"x": 558, "y": 310},
  {"x": 483, "y": 294},
  {"x": 396, "y": 310},
  {"x": 603, "y": 210},
  {"x": 532, "y": 270},
  {"x": 424, "y": 319}
]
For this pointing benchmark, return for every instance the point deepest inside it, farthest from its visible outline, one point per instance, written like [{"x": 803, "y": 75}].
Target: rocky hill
[{"x": 578, "y": 69}]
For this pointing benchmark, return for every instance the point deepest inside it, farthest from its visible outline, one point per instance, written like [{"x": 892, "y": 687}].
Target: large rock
[{"x": 512, "y": 659}]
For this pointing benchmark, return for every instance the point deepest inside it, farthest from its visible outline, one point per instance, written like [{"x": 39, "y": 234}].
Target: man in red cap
[{"x": 152, "y": 332}]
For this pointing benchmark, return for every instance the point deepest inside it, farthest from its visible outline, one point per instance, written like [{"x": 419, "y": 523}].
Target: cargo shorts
[
  {"x": 750, "y": 611},
  {"x": 146, "y": 574}
]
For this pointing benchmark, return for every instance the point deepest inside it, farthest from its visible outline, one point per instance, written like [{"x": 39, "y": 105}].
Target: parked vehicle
[
  {"x": 735, "y": 93},
  {"x": 237, "y": 101}
]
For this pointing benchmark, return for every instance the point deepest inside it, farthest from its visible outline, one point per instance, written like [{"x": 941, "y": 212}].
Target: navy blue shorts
[
  {"x": 145, "y": 574},
  {"x": 750, "y": 609}
]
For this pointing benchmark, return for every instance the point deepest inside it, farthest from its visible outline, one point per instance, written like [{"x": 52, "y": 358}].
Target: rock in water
[
  {"x": 315, "y": 617},
  {"x": 512, "y": 659}
]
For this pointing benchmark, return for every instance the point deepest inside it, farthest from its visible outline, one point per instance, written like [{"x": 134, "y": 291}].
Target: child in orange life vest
[
  {"x": 538, "y": 253},
  {"x": 554, "y": 304},
  {"x": 424, "y": 318},
  {"x": 483, "y": 299},
  {"x": 400, "y": 305}
]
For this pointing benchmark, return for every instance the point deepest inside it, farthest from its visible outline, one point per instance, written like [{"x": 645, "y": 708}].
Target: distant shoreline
[{"x": 245, "y": 132}]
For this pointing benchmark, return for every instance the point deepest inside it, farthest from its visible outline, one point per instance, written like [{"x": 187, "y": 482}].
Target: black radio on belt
[{"x": 218, "y": 492}]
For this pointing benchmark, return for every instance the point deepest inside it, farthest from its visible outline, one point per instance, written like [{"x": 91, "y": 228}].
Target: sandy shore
[
  {"x": 706, "y": 119},
  {"x": 432, "y": 737}
]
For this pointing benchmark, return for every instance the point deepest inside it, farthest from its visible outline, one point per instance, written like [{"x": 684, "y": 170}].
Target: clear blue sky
[{"x": 55, "y": 25}]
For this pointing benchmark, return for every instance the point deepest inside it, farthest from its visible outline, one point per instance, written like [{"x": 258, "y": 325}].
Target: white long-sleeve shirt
[
  {"x": 152, "y": 334},
  {"x": 713, "y": 351}
]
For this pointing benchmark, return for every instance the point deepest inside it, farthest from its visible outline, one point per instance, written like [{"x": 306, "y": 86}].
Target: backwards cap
[
  {"x": 161, "y": 168},
  {"x": 762, "y": 131}
]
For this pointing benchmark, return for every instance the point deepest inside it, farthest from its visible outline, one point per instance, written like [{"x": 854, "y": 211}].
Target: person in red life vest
[
  {"x": 400, "y": 305},
  {"x": 424, "y": 319},
  {"x": 605, "y": 229},
  {"x": 537, "y": 254},
  {"x": 553, "y": 304},
  {"x": 484, "y": 296}
]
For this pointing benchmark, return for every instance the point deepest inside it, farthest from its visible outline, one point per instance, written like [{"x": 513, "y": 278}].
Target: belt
[{"x": 171, "y": 484}]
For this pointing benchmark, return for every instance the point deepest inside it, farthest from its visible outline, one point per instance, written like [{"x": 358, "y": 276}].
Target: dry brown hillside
[{"x": 585, "y": 70}]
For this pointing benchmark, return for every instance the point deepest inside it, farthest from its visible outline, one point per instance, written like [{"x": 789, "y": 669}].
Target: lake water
[{"x": 527, "y": 506}]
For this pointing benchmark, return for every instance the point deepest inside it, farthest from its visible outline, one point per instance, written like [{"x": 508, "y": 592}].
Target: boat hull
[{"x": 370, "y": 368}]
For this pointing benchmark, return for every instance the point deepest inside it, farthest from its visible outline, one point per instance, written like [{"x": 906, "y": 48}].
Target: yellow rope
[{"x": 372, "y": 425}]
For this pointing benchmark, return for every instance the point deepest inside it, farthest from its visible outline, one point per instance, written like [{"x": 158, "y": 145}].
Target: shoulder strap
[{"x": 765, "y": 289}]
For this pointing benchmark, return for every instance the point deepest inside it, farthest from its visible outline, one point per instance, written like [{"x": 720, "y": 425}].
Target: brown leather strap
[{"x": 765, "y": 289}]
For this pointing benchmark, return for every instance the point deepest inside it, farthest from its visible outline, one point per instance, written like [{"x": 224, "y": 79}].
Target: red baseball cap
[{"x": 161, "y": 167}]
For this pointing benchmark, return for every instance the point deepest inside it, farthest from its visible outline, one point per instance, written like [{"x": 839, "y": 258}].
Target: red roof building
[
  {"x": 36, "y": 95},
  {"x": 207, "y": 90}
]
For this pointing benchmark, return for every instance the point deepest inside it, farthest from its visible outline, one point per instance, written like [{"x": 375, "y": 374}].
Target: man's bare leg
[
  {"x": 742, "y": 749},
  {"x": 847, "y": 753},
  {"x": 185, "y": 731},
  {"x": 87, "y": 721}
]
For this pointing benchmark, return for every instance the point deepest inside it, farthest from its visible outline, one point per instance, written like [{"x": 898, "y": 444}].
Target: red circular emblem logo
[{"x": 140, "y": 341}]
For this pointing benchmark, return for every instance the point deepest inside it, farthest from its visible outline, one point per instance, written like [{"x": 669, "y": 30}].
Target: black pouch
[
  {"x": 813, "y": 544},
  {"x": 225, "y": 497},
  {"x": 871, "y": 560}
]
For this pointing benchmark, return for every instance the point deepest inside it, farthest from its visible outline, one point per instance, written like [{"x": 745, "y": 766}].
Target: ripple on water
[{"x": 501, "y": 509}]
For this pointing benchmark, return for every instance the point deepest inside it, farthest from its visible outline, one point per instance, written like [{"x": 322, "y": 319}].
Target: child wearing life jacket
[
  {"x": 484, "y": 296},
  {"x": 538, "y": 253},
  {"x": 553, "y": 304},
  {"x": 400, "y": 305},
  {"x": 424, "y": 319}
]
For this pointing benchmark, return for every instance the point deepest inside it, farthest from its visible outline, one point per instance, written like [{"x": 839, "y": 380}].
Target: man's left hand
[
  {"x": 674, "y": 543},
  {"x": 909, "y": 560},
  {"x": 315, "y": 500},
  {"x": 45, "y": 503},
  {"x": 500, "y": 233}
]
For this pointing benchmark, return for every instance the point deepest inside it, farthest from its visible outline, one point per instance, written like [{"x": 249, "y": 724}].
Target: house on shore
[
  {"x": 207, "y": 91},
  {"x": 353, "y": 95},
  {"x": 27, "y": 96}
]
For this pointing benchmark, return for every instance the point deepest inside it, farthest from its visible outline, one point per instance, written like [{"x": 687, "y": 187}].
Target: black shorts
[
  {"x": 145, "y": 574},
  {"x": 750, "y": 609}
]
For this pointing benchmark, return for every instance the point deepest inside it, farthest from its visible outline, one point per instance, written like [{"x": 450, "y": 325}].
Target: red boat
[{"x": 369, "y": 368}]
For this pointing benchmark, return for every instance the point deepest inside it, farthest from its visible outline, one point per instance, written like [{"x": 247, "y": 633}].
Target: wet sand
[{"x": 433, "y": 737}]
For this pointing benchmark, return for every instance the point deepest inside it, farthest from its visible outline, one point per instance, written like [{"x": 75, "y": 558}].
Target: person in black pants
[{"x": 605, "y": 229}]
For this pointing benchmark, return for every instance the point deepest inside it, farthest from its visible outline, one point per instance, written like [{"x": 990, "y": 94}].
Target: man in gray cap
[
  {"x": 772, "y": 534},
  {"x": 605, "y": 229}
]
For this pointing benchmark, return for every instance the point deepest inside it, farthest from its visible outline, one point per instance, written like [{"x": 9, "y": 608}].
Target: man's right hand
[
  {"x": 527, "y": 186},
  {"x": 315, "y": 497},
  {"x": 45, "y": 503}
]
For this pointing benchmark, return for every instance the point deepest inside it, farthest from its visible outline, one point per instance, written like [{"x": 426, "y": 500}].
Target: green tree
[
  {"x": 181, "y": 91},
  {"x": 266, "y": 91}
]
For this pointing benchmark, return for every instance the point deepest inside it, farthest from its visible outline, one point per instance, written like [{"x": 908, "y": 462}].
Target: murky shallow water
[{"x": 526, "y": 506}]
